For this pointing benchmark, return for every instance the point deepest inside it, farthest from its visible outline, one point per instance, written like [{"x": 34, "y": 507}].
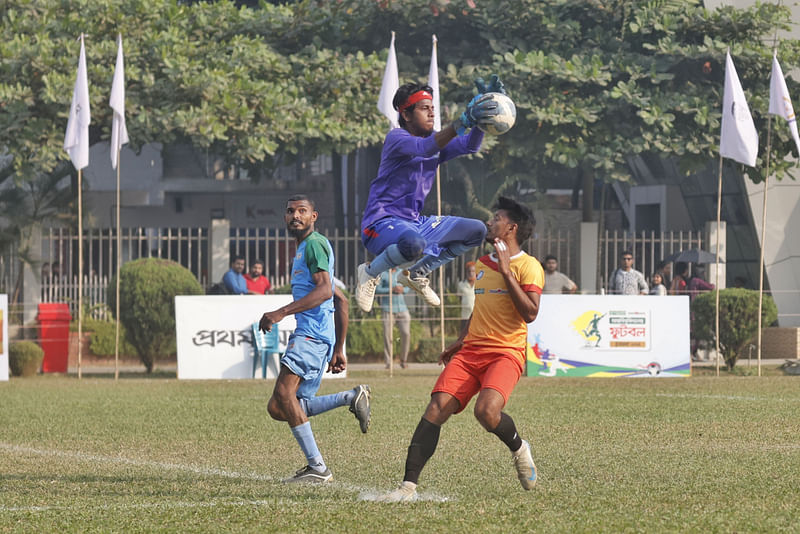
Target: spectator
[
  {"x": 555, "y": 282},
  {"x": 740, "y": 282},
  {"x": 45, "y": 272},
  {"x": 401, "y": 316},
  {"x": 695, "y": 286},
  {"x": 257, "y": 284},
  {"x": 55, "y": 271},
  {"x": 233, "y": 280},
  {"x": 678, "y": 286},
  {"x": 664, "y": 268},
  {"x": 656, "y": 286},
  {"x": 697, "y": 283},
  {"x": 466, "y": 289},
  {"x": 626, "y": 280}
]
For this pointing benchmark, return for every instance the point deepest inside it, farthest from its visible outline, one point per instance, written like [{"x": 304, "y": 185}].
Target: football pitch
[{"x": 699, "y": 454}]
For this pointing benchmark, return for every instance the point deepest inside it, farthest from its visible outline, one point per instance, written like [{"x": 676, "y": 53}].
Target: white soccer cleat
[
  {"x": 421, "y": 285},
  {"x": 365, "y": 290},
  {"x": 360, "y": 406},
  {"x": 406, "y": 492},
  {"x": 523, "y": 463}
]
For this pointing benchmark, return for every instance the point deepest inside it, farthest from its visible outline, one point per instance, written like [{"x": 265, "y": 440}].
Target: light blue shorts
[{"x": 307, "y": 358}]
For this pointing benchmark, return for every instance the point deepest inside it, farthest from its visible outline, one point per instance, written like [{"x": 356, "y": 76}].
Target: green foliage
[
  {"x": 24, "y": 358},
  {"x": 103, "y": 337},
  {"x": 247, "y": 84},
  {"x": 148, "y": 287},
  {"x": 365, "y": 338},
  {"x": 431, "y": 347},
  {"x": 738, "y": 320}
]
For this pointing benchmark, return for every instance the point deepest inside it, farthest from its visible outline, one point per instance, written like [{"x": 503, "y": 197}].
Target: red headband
[{"x": 416, "y": 97}]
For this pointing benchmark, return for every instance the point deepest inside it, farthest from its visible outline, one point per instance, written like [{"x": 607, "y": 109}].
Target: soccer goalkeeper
[{"x": 392, "y": 227}]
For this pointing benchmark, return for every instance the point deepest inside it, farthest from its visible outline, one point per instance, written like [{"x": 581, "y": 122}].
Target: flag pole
[
  {"x": 119, "y": 262},
  {"x": 719, "y": 234},
  {"x": 391, "y": 324},
  {"x": 433, "y": 81},
  {"x": 80, "y": 269},
  {"x": 763, "y": 237}
]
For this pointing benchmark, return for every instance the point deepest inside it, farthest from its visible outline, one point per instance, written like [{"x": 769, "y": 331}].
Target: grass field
[{"x": 700, "y": 454}]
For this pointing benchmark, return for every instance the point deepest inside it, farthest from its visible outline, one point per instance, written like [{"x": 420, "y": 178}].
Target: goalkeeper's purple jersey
[{"x": 407, "y": 172}]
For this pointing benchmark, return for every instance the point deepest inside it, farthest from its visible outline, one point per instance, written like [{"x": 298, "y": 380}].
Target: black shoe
[{"x": 310, "y": 475}]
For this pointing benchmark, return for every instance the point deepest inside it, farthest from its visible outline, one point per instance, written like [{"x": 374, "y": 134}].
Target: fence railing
[
  {"x": 192, "y": 248},
  {"x": 648, "y": 248}
]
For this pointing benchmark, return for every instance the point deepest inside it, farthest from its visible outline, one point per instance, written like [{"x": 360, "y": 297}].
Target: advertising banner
[
  {"x": 215, "y": 337},
  {"x": 3, "y": 337},
  {"x": 610, "y": 335}
]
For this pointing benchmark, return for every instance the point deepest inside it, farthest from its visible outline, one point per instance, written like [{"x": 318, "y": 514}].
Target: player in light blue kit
[
  {"x": 392, "y": 227},
  {"x": 321, "y": 312}
]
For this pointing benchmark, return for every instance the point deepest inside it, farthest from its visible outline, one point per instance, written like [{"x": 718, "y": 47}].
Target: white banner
[
  {"x": 3, "y": 337},
  {"x": 215, "y": 337},
  {"x": 610, "y": 335}
]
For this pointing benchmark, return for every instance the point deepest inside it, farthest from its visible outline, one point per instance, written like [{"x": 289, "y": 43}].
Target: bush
[
  {"x": 365, "y": 338},
  {"x": 103, "y": 338},
  {"x": 148, "y": 287},
  {"x": 25, "y": 358},
  {"x": 738, "y": 320},
  {"x": 431, "y": 347}
]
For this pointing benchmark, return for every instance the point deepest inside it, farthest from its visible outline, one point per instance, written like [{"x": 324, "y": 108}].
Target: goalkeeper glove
[
  {"x": 495, "y": 85},
  {"x": 479, "y": 109}
]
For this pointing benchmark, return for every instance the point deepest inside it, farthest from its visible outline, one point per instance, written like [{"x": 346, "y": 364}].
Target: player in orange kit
[{"x": 489, "y": 356}]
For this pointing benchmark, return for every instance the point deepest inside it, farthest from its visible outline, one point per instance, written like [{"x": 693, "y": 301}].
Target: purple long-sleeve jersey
[{"x": 408, "y": 170}]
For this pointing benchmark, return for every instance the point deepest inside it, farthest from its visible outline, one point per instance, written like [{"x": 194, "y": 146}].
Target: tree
[
  {"x": 245, "y": 84},
  {"x": 595, "y": 83}
]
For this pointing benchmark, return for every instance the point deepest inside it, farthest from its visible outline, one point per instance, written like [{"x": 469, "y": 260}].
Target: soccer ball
[{"x": 504, "y": 120}]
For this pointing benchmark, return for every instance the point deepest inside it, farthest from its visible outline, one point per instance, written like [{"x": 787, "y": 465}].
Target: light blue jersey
[{"x": 314, "y": 254}]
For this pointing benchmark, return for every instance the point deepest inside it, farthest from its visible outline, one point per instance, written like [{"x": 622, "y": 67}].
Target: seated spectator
[
  {"x": 257, "y": 284},
  {"x": 233, "y": 280},
  {"x": 555, "y": 282},
  {"x": 657, "y": 285}
]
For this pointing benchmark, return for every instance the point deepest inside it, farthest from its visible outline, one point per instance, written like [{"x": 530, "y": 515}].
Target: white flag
[
  {"x": 433, "y": 81},
  {"x": 76, "y": 140},
  {"x": 779, "y": 101},
  {"x": 391, "y": 82},
  {"x": 119, "y": 133},
  {"x": 738, "y": 139}
]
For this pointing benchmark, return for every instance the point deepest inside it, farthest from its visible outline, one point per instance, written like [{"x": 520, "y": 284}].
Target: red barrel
[{"x": 54, "y": 320}]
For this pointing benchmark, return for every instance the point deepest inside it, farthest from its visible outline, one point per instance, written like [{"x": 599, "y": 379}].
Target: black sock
[
  {"x": 506, "y": 430},
  {"x": 423, "y": 444}
]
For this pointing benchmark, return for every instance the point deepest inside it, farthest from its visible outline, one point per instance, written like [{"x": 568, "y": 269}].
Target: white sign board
[
  {"x": 215, "y": 339},
  {"x": 3, "y": 337},
  {"x": 610, "y": 335}
]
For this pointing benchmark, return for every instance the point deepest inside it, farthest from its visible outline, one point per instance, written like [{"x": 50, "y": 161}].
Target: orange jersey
[{"x": 495, "y": 320}]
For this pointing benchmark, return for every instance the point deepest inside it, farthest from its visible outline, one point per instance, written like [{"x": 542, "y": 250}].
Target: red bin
[{"x": 54, "y": 320}]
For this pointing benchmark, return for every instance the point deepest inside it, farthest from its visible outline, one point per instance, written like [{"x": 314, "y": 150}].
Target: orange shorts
[{"x": 475, "y": 368}]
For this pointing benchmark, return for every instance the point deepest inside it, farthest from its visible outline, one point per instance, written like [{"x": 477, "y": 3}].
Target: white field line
[
  {"x": 368, "y": 494},
  {"x": 699, "y": 396}
]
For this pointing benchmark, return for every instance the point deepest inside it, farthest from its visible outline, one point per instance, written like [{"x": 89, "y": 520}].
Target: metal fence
[{"x": 648, "y": 248}]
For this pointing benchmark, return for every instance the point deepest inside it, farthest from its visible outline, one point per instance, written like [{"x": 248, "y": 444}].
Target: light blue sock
[
  {"x": 430, "y": 263},
  {"x": 318, "y": 405},
  {"x": 389, "y": 258},
  {"x": 305, "y": 437}
]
